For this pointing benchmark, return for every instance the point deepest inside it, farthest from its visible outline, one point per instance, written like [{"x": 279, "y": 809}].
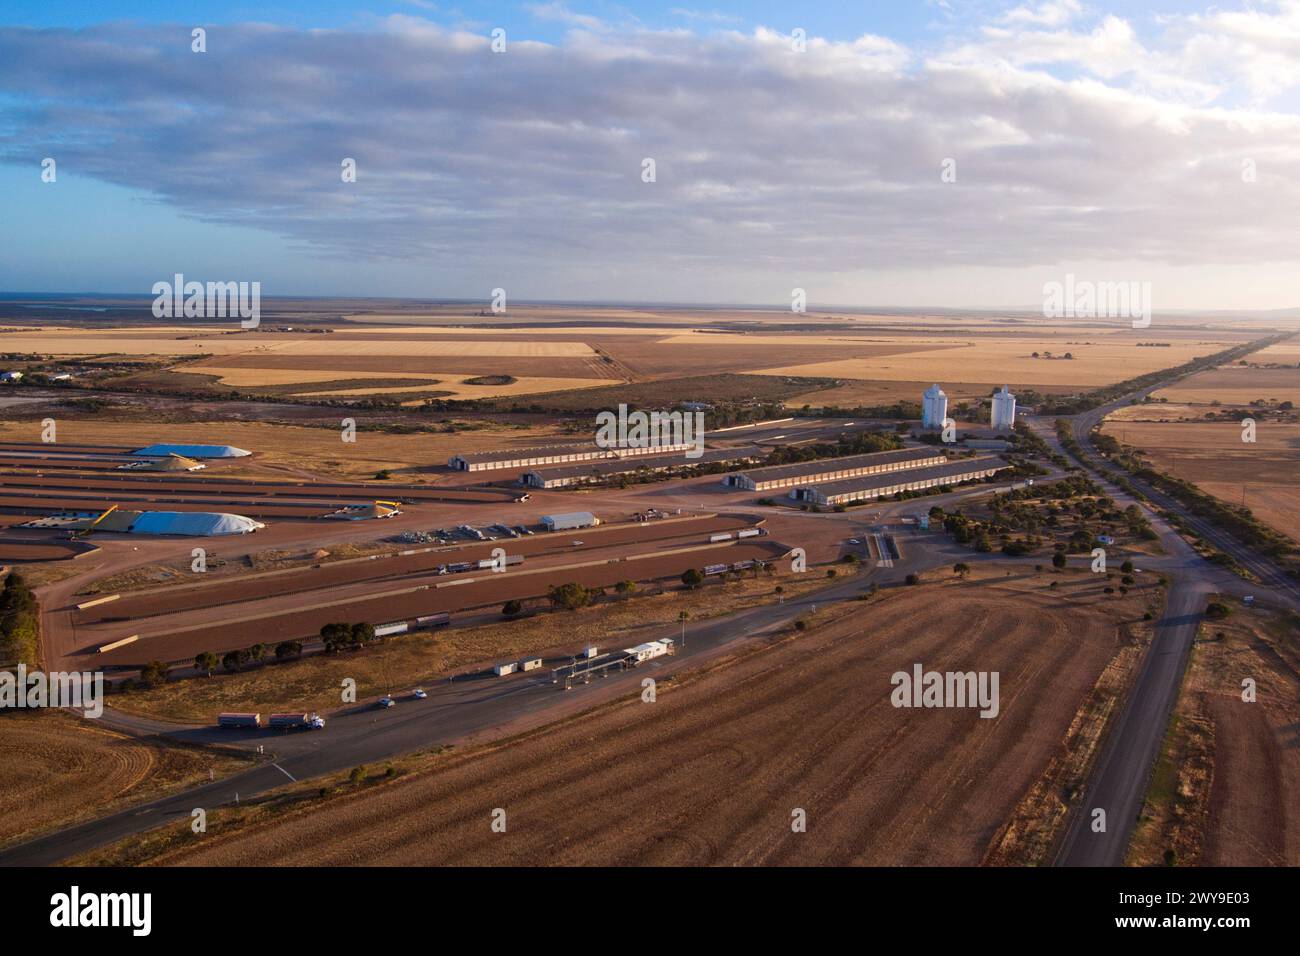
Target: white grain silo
[
  {"x": 1004, "y": 409},
  {"x": 934, "y": 407}
]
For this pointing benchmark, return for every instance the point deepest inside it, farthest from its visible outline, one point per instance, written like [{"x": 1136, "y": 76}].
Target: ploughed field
[{"x": 712, "y": 772}]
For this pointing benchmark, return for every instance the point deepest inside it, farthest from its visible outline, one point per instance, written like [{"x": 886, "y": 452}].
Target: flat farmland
[
  {"x": 711, "y": 773},
  {"x": 1097, "y": 361},
  {"x": 56, "y": 768},
  {"x": 1213, "y": 457},
  {"x": 1236, "y": 385}
]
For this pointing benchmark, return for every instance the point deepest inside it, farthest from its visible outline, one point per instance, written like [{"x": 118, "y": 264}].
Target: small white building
[
  {"x": 1004, "y": 409},
  {"x": 934, "y": 407}
]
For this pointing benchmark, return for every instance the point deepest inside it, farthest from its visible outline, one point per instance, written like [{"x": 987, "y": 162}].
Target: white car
[
  {"x": 386, "y": 702},
  {"x": 854, "y": 541},
  {"x": 419, "y": 694},
  {"x": 578, "y": 544}
]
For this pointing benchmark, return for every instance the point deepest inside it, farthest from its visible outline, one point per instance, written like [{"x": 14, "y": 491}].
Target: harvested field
[
  {"x": 1098, "y": 361},
  {"x": 1227, "y": 787},
  {"x": 1237, "y": 385},
  {"x": 711, "y": 772},
  {"x": 452, "y": 386},
  {"x": 56, "y": 768},
  {"x": 149, "y": 342},
  {"x": 1265, "y": 474},
  {"x": 281, "y": 366}
]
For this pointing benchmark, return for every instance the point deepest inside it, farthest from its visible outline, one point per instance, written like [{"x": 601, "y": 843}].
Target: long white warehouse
[
  {"x": 553, "y": 455},
  {"x": 833, "y": 469},
  {"x": 868, "y": 487}
]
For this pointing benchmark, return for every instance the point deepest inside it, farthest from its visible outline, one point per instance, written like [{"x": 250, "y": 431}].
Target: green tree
[
  {"x": 19, "y": 622},
  {"x": 570, "y": 596},
  {"x": 1058, "y": 560},
  {"x": 693, "y": 578},
  {"x": 153, "y": 674},
  {"x": 961, "y": 569},
  {"x": 511, "y": 608},
  {"x": 206, "y": 661},
  {"x": 335, "y": 636}
]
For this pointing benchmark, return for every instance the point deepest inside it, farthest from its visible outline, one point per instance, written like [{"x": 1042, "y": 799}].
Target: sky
[{"x": 946, "y": 153}]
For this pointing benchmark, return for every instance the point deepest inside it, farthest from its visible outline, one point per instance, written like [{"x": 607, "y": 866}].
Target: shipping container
[
  {"x": 441, "y": 619},
  {"x": 590, "y": 651},
  {"x": 749, "y": 533},
  {"x": 502, "y": 669},
  {"x": 715, "y": 538},
  {"x": 710, "y": 569},
  {"x": 387, "y": 630},
  {"x": 530, "y": 663}
]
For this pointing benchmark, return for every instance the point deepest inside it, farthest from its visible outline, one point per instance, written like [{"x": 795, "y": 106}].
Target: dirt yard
[{"x": 719, "y": 768}]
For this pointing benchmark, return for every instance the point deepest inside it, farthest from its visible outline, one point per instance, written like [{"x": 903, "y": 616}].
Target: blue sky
[{"x": 1103, "y": 139}]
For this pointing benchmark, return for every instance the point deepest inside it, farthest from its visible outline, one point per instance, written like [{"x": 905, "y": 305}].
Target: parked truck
[
  {"x": 245, "y": 721},
  {"x": 296, "y": 722}
]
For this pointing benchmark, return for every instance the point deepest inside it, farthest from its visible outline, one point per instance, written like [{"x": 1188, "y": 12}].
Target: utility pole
[{"x": 681, "y": 616}]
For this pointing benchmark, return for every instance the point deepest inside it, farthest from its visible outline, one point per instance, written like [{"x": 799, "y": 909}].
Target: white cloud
[{"x": 1080, "y": 143}]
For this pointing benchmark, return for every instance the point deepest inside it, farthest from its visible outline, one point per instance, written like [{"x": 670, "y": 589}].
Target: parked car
[
  {"x": 386, "y": 702},
  {"x": 419, "y": 694}
]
